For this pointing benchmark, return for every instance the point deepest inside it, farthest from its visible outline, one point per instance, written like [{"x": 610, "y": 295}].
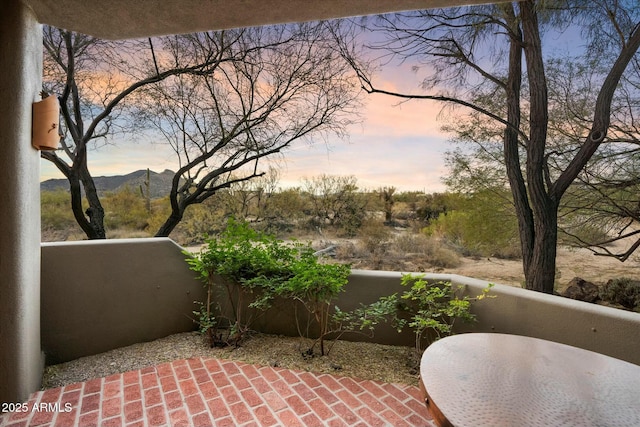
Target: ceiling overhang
[{"x": 120, "y": 19}]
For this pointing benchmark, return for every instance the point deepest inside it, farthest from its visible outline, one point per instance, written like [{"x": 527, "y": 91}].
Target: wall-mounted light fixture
[{"x": 46, "y": 124}]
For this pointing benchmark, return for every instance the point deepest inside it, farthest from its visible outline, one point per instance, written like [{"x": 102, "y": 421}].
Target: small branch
[{"x": 153, "y": 55}]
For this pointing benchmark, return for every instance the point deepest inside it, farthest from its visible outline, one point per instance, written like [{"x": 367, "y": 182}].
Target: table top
[{"x": 498, "y": 380}]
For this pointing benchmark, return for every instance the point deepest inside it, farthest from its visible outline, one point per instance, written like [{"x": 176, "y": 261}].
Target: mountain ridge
[{"x": 159, "y": 183}]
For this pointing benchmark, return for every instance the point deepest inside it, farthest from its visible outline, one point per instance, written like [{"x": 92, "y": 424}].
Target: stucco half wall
[{"x": 100, "y": 295}]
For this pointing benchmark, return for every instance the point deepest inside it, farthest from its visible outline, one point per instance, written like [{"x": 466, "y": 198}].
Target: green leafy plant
[
  {"x": 434, "y": 308},
  {"x": 365, "y": 318},
  {"x": 315, "y": 285},
  {"x": 244, "y": 266}
]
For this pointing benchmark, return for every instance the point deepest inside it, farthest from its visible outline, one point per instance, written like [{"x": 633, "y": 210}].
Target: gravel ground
[{"x": 384, "y": 363}]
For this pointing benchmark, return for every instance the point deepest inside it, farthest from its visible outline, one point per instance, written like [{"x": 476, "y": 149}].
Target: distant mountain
[{"x": 160, "y": 183}]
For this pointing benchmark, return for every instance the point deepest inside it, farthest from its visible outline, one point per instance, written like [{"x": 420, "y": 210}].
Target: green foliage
[
  {"x": 283, "y": 210},
  {"x": 482, "y": 224},
  {"x": 315, "y": 285},
  {"x": 244, "y": 270},
  {"x": 55, "y": 210},
  {"x": 206, "y": 320},
  {"x": 623, "y": 291},
  {"x": 434, "y": 308},
  {"x": 201, "y": 220},
  {"x": 198, "y": 221},
  {"x": 248, "y": 265},
  {"x": 431, "y": 206},
  {"x": 364, "y": 318},
  {"x": 160, "y": 209},
  {"x": 125, "y": 208}
]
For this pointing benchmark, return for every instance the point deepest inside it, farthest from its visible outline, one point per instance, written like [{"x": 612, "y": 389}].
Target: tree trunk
[
  {"x": 517, "y": 183},
  {"x": 172, "y": 221},
  {"x": 541, "y": 269},
  {"x": 95, "y": 212},
  {"x": 76, "y": 203}
]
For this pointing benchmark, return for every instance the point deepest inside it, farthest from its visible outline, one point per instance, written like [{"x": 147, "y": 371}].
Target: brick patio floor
[{"x": 212, "y": 392}]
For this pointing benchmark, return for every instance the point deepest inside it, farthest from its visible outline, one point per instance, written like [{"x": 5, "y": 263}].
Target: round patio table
[{"x": 498, "y": 380}]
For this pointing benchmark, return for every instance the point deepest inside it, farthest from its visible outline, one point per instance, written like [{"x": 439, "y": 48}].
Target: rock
[
  {"x": 329, "y": 251},
  {"x": 580, "y": 289}
]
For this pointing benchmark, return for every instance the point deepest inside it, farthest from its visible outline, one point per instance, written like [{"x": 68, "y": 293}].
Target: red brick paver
[{"x": 211, "y": 392}]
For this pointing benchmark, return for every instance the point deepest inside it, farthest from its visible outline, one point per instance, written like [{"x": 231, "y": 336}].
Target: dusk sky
[{"x": 395, "y": 145}]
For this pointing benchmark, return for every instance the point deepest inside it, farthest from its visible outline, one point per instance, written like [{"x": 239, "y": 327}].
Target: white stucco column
[{"x": 20, "y": 85}]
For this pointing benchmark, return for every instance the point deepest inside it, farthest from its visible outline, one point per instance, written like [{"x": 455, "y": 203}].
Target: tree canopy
[
  {"x": 222, "y": 100},
  {"x": 493, "y": 65}
]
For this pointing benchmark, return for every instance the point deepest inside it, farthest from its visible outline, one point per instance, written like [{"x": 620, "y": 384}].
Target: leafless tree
[
  {"x": 95, "y": 80},
  {"x": 281, "y": 85},
  {"x": 335, "y": 201}
]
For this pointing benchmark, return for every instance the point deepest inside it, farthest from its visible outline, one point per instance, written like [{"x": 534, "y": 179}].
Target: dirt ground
[{"x": 570, "y": 263}]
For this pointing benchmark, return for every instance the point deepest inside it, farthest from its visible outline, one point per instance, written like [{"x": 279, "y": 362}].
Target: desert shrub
[
  {"x": 334, "y": 201},
  {"x": 160, "y": 210},
  {"x": 284, "y": 207},
  {"x": 126, "y": 233},
  {"x": 434, "y": 251},
  {"x": 374, "y": 237},
  {"x": 201, "y": 220},
  {"x": 444, "y": 257},
  {"x": 431, "y": 206},
  {"x": 623, "y": 291},
  {"x": 414, "y": 243},
  {"x": 481, "y": 224},
  {"x": 348, "y": 250},
  {"x": 125, "y": 208},
  {"x": 55, "y": 211}
]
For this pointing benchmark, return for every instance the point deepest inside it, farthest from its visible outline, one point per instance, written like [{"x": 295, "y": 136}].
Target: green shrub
[
  {"x": 431, "y": 206},
  {"x": 55, "y": 210},
  {"x": 244, "y": 270},
  {"x": 482, "y": 224},
  {"x": 243, "y": 267},
  {"x": 315, "y": 286},
  {"x": 125, "y": 208},
  {"x": 434, "y": 308},
  {"x": 623, "y": 291},
  {"x": 200, "y": 220}
]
